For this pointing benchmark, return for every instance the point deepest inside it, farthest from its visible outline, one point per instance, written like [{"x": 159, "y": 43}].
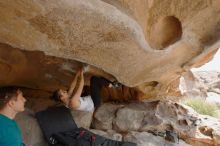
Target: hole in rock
[
  {"x": 206, "y": 131},
  {"x": 164, "y": 32},
  {"x": 182, "y": 122}
]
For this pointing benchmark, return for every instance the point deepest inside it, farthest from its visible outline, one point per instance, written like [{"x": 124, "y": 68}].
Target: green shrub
[{"x": 203, "y": 107}]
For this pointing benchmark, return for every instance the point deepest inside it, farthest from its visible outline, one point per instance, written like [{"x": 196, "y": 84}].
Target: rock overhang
[{"x": 125, "y": 39}]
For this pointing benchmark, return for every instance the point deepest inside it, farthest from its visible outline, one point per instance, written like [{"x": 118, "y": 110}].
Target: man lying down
[{"x": 58, "y": 125}]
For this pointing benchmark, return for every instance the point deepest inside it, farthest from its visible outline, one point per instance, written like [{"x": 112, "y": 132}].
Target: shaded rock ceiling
[{"x": 138, "y": 42}]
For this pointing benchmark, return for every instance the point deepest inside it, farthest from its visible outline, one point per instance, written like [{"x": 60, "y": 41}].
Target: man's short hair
[
  {"x": 6, "y": 94},
  {"x": 56, "y": 96}
]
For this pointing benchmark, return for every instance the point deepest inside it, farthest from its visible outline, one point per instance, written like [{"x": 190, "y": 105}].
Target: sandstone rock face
[
  {"x": 31, "y": 132},
  {"x": 159, "y": 116},
  {"x": 82, "y": 119},
  {"x": 201, "y": 84},
  {"x": 147, "y": 129},
  {"x": 137, "y": 42},
  {"x": 192, "y": 87},
  {"x": 133, "y": 119},
  {"x": 111, "y": 134},
  {"x": 103, "y": 118},
  {"x": 147, "y": 139},
  {"x": 211, "y": 80}
]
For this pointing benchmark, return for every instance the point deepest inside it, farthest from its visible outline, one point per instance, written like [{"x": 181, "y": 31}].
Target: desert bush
[{"x": 203, "y": 107}]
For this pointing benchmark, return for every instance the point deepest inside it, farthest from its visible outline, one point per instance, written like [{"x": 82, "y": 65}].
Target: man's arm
[
  {"x": 73, "y": 84},
  {"x": 75, "y": 99}
]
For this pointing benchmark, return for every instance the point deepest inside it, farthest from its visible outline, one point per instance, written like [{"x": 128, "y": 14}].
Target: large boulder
[
  {"x": 160, "y": 116},
  {"x": 142, "y": 43},
  {"x": 31, "y": 132},
  {"x": 104, "y": 116},
  {"x": 82, "y": 118}
]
